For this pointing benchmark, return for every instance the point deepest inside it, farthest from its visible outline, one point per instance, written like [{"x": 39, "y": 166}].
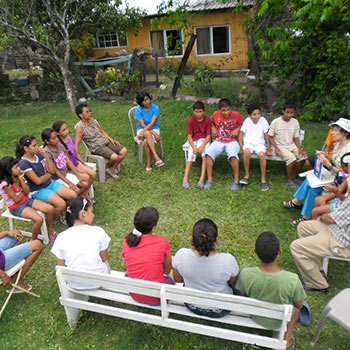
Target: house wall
[{"x": 238, "y": 40}]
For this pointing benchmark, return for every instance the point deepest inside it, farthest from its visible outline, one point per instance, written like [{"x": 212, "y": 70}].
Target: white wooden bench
[
  {"x": 186, "y": 146},
  {"x": 116, "y": 287},
  {"x": 43, "y": 235}
]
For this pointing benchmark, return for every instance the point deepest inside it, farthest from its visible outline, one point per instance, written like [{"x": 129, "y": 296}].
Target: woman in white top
[
  {"x": 82, "y": 246},
  {"x": 204, "y": 269}
]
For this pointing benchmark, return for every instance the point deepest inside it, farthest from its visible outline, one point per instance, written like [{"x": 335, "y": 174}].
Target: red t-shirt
[
  {"x": 226, "y": 125},
  {"x": 146, "y": 262},
  {"x": 198, "y": 130}
]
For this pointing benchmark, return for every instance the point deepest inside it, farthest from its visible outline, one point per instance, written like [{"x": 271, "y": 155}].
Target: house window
[
  {"x": 167, "y": 42},
  {"x": 111, "y": 40},
  {"x": 213, "y": 40}
]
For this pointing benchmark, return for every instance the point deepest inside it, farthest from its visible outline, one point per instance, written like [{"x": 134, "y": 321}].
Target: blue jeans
[{"x": 13, "y": 255}]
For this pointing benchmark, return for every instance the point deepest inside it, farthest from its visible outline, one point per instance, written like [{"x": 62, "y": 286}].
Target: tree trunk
[{"x": 69, "y": 82}]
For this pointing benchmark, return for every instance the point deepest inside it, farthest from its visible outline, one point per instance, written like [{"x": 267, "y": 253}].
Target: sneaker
[
  {"x": 316, "y": 290},
  {"x": 113, "y": 175},
  {"x": 264, "y": 186},
  {"x": 234, "y": 187},
  {"x": 208, "y": 185},
  {"x": 244, "y": 181},
  {"x": 293, "y": 186}
]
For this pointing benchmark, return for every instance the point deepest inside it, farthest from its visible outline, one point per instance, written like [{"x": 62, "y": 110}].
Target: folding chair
[
  {"x": 325, "y": 261},
  {"x": 10, "y": 272},
  {"x": 137, "y": 142},
  {"x": 338, "y": 309},
  {"x": 43, "y": 235}
]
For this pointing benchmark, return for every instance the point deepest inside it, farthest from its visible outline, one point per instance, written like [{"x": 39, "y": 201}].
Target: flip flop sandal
[
  {"x": 291, "y": 346},
  {"x": 291, "y": 205},
  {"x": 27, "y": 287},
  {"x": 148, "y": 170},
  {"x": 159, "y": 163},
  {"x": 296, "y": 222},
  {"x": 185, "y": 185},
  {"x": 200, "y": 185}
]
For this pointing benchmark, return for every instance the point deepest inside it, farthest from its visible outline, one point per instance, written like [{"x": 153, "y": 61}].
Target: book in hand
[
  {"x": 327, "y": 178},
  {"x": 318, "y": 166}
]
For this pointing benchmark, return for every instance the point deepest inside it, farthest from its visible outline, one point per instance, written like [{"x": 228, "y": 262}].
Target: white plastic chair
[
  {"x": 43, "y": 235},
  {"x": 325, "y": 261},
  {"x": 101, "y": 162},
  {"x": 137, "y": 142},
  {"x": 338, "y": 309}
]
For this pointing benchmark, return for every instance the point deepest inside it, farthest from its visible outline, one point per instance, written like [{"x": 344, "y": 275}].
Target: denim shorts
[
  {"x": 45, "y": 193},
  {"x": 13, "y": 255},
  {"x": 216, "y": 148},
  {"x": 18, "y": 210}
]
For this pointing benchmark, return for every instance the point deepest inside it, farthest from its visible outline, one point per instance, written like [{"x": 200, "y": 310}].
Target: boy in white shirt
[{"x": 253, "y": 138}]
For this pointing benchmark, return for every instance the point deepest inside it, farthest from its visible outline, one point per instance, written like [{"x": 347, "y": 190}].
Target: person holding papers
[{"x": 304, "y": 197}]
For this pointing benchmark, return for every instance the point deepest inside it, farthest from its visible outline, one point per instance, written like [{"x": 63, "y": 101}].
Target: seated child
[
  {"x": 147, "y": 116},
  {"x": 198, "y": 135},
  {"x": 204, "y": 269},
  {"x": 268, "y": 282},
  {"x": 66, "y": 172},
  {"x": 82, "y": 246},
  {"x": 12, "y": 252},
  {"x": 97, "y": 140},
  {"x": 85, "y": 172},
  {"x": 226, "y": 127},
  {"x": 147, "y": 256},
  {"x": 284, "y": 136},
  {"x": 328, "y": 203},
  {"x": 252, "y": 140},
  {"x": 14, "y": 190}
]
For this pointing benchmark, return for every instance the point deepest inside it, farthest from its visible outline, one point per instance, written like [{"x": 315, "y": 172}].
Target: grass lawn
[{"x": 30, "y": 323}]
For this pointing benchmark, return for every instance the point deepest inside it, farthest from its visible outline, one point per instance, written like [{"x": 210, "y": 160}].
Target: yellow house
[{"x": 221, "y": 40}]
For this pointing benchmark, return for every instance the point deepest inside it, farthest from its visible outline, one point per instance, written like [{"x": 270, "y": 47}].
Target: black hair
[
  {"x": 6, "y": 165},
  {"x": 267, "y": 247},
  {"x": 76, "y": 206},
  {"x": 198, "y": 105},
  {"x": 24, "y": 141},
  {"x": 288, "y": 106},
  {"x": 56, "y": 126},
  {"x": 224, "y": 102},
  {"x": 46, "y": 134},
  {"x": 145, "y": 219},
  {"x": 204, "y": 236},
  {"x": 252, "y": 107},
  {"x": 141, "y": 96},
  {"x": 79, "y": 109},
  {"x": 342, "y": 159}
]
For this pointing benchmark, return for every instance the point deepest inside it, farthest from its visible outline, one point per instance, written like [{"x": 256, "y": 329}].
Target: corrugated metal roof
[{"x": 206, "y": 5}]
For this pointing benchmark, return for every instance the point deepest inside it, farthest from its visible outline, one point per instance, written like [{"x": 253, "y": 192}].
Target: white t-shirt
[
  {"x": 80, "y": 248},
  {"x": 254, "y": 134},
  {"x": 207, "y": 273}
]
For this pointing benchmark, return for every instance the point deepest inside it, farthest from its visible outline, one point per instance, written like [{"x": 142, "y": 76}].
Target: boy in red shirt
[
  {"x": 198, "y": 135},
  {"x": 226, "y": 127}
]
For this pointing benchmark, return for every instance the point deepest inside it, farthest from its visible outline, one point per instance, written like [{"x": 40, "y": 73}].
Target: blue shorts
[
  {"x": 13, "y": 255},
  {"x": 45, "y": 193},
  {"x": 231, "y": 148},
  {"x": 18, "y": 210}
]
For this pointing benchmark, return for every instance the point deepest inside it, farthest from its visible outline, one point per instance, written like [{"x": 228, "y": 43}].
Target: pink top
[
  {"x": 226, "y": 125},
  {"x": 10, "y": 203},
  {"x": 72, "y": 153},
  {"x": 146, "y": 262}
]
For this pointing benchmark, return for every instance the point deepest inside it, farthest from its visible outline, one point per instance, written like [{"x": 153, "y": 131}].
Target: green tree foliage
[
  {"x": 47, "y": 29},
  {"x": 306, "y": 45}
]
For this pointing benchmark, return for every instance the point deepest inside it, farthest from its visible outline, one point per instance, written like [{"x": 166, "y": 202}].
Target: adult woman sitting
[
  {"x": 148, "y": 127},
  {"x": 304, "y": 197},
  {"x": 204, "y": 269}
]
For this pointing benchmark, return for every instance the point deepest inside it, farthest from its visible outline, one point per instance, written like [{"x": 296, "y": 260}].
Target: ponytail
[
  {"x": 46, "y": 134},
  {"x": 57, "y": 127},
  {"x": 144, "y": 221},
  {"x": 25, "y": 140}
]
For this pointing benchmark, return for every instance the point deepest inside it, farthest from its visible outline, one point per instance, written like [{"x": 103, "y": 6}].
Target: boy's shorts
[
  {"x": 260, "y": 147},
  {"x": 157, "y": 131},
  {"x": 45, "y": 193},
  {"x": 108, "y": 150},
  {"x": 71, "y": 177},
  {"x": 18, "y": 210},
  {"x": 290, "y": 154},
  {"x": 13, "y": 255},
  {"x": 216, "y": 148},
  {"x": 191, "y": 155},
  {"x": 336, "y": 203}
]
